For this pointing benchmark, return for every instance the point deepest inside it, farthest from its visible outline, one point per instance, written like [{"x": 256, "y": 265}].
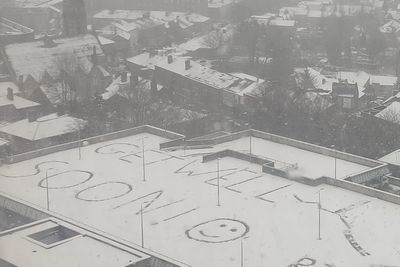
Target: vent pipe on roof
[
  {"x": 10, "y": 94},
  {"x": 170, "y": 59},
  {"x": 187, "y": 64}
]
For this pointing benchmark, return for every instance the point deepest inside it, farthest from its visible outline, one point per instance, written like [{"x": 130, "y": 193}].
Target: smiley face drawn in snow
[{"x": 218, "y": 231}]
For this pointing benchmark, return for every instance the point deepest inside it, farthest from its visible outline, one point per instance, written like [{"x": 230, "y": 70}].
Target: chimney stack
[
  {"x": 60, "y": 110},
  {"x": 170, "y": 59},
  {"x": 146, "y": 15},
  {"x": 187, "y": 64},
  {"x": 124, "y": 77},
  {"x": 134, "y": 79},
  {"x": 10, "y": 94},
  {"x": 94, "y": 56},
  {"x": 32, "y": 116}
]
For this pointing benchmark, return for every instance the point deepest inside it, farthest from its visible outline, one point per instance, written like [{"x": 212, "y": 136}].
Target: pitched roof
[
  {"x": 35, "y": 59},
  {"x": 391, "y": 111},
  {"x": 3, "y": 142},
  {"x": 5, "y": 85},
  {"x": 45, "y": 127},
  {"x": 208, "y": 76},
  {"x": 17, "y": 102}
]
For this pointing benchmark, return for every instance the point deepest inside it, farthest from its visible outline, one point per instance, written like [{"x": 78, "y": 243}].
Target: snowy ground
[{"x": 275, "y": 219}]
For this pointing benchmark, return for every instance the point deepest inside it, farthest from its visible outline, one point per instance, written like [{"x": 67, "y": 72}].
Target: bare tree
[
  {"x": 139, "y": 103},
  {"x": 391, "y": 115},
  {"x": 214, "y": 39},
  {"x": 308, "y": 80},
  {"x": 67, "y": 66}
]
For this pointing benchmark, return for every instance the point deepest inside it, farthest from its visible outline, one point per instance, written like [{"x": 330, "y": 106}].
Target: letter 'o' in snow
[
  {"x": 104, "y": 191},
  {"x": 66, "y": 179}
]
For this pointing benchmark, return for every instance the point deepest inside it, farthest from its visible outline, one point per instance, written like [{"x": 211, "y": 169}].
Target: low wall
[
  {"x": 238, "y": 155},
  {"x": 365, "y": 190},
  {"x": 369, "y": 174},
  {"x": 298, "y": 144},
  {"x": 22, "y": 209},
  {"x": 301, "y": 179},
  {"x": 173, "y": 143},
  {"x": 348, "y": 185},
  {"x": 317, "y": 149},
  {"x": 394, "y": 180},
  {"x": 93, "y": 140}
]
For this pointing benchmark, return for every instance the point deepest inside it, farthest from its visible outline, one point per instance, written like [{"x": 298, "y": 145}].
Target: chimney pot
[
  {"x": 187, "y": 64},
  {"x": 170, "y": 59},
  {"x": 10, "y": 94}
]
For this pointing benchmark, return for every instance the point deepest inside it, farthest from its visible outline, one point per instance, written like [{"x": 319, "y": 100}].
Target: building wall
[
  {"x": 93, "y": 140},
  {"x": 11, "y": 114},
  {"x": 189, "y": 90},
  {"x": 74, "y": 17}
]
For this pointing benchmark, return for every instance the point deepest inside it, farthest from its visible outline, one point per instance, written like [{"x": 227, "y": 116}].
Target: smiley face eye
[
  {"x": 233, "y": 230},
  {"x": 223, "y": 225}
]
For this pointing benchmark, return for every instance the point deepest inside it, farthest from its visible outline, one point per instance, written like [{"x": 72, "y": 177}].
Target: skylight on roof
[{"x": 53, "y": 236}]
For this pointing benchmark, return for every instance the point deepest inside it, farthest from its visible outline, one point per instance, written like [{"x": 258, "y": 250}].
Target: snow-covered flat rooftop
[
  {"x": 275, "y": 219},
  {"x": 41, "y": 246}
]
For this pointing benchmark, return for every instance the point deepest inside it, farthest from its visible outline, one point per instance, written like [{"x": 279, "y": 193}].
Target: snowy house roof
[
  {"x": 141, "y": 17},
  {"x": 392, "y": 158},
  {"x": 391, "y": 111},
  {"x": 146, "y": 60},
  {"x": 383, "y": 80},
  {"x": 3, "y": 142},
  {"x": 393, "y": 14},
  {"x": 392, "y": 99},
  {"x": 208, "y": 76},
  {"x": 361, "y": 78},
  {"x": 321, "y": 81},
  {"x": 5, "y": 85},
  {"x": 117, "y": 87},
  {"x": 105, "y": 41},
  {"x": 392, "y": 26},
  {"x": 18, "y": 102},
  {"x": 220, "y": 3},
  {"x": 34, "y": 58},
  {"x": 44, "y": 127}
]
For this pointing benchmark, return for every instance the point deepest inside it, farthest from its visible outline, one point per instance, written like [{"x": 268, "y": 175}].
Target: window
[
  {"x": 53, "y": 235},
  {"x": 347, "y": 103}
]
